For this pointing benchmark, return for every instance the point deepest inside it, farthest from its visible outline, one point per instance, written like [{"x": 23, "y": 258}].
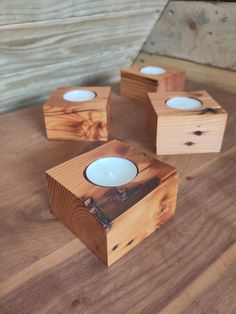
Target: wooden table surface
[{"x": 187, "y": 266}]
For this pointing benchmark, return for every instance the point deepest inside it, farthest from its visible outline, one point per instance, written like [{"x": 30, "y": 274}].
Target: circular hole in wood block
[
  {"x": 111, "y": 171},
  {"x": 152, "y": 70},
  {"x": 183, "y": 103},
  {"x": 79, "y": 95}
]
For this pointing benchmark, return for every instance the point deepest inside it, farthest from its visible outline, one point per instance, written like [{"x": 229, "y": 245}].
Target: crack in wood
[
  {"x": 118, "y": 200},
  {"x": 206, "y": 110}
]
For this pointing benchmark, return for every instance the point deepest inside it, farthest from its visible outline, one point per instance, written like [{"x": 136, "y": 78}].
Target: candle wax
[
  {"x": 183, "y": 103},
  {"x": 79, "y": 95},
  {"x": 152, "y": 70},
  {"x": 111, "y": 171}
]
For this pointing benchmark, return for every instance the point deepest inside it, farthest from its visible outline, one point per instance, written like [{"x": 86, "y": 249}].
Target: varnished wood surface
[
  {"x": 187, "y": 266},
  {"x": 185, "y": 131},
  {"x": 113, "y": 220},
  {"x": 81, "y": 121}
]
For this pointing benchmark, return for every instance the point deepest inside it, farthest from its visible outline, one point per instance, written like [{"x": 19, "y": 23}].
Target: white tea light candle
[
  {"x": 183, "y": 103},
  {"x": 79, "y": 95},
  {"x": 111, "y": 171},
  {"x": 152, "y": 70}
]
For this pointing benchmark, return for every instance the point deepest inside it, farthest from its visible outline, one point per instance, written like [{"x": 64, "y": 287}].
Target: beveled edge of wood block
[
  {"x": 134, "y": 72},
  {"x": 152, "y": 173},
  {"x": 103, "y": 94},
  {"x": 209, "y": 104}
]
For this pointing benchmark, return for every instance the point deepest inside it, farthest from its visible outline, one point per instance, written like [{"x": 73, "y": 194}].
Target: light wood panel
[
  {"x": 32, "y": 46},
  {"x": 21, "y": 11},
  {"x": 189, "y": 264},
  {"x": 36, "y": 58},
  {"x": 219, "y": 78},
  {"x": 198, "y": 31}
]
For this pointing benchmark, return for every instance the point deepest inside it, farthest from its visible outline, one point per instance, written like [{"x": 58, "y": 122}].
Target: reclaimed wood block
[
  {"x": 112, "y": 219},
  {"x": 78, "y": 113},
  {"x": 141, "y": 79},
  {"x": 185, "y": 122}
]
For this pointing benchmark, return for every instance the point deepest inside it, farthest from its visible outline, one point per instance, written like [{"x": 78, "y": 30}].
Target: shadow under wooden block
[
  {"x": 112, "y": 220},
  {"x": 185, "y": 131},
  {"x": 154, "y": 78},
  {"x": 69, "y": 114}
]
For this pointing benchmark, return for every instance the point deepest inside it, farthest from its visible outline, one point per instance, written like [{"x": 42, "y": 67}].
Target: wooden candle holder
[
  {"x": 78, "y": 120},
  {"x": 135, "y": 84},
  {"x": 174, "y": 131},
  {"x": 111, "y": 221}
]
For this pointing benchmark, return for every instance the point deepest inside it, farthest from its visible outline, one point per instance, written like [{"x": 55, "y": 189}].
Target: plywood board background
[
  {"x": 47, "y": 44},
  {"x": 199, "y": 31}
]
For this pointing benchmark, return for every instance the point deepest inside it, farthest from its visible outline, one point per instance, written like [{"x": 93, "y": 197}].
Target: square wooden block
[
  {"x": 155, "y": 78},
  {"x": 112, "y": 220},
  {"x": 181, "y": 131},
  {"x": 78, "y": 113}
]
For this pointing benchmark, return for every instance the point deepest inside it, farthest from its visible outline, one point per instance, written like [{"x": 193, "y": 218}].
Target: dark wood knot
[
  {"x": 115, "y": 247},
  {"x": 130, "y": 242},
  {"x": 192, "y": 26},
  {"x": 189, "y": 143},
  {"x": 198, "y": 133},
  {"x": 189, "y": 178}
]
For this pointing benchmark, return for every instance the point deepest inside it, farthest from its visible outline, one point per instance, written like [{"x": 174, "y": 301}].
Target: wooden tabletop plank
[{"x": 187, "y": 265}]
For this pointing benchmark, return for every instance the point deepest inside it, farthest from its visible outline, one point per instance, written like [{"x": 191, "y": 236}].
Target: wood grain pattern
[
  {"x": 22, "y": 11},
  {"x": 185, "y": 131},
  {"x": 63, "y": 50},
  {"x": 202, "y": 32},
  {"x": 136, "y": 85},
  {"x": 111, "y": 221},
  {"x": 189, "y": 264},
  {"x": 73, "y": 212},
  {"x": 80, "y": 121}
]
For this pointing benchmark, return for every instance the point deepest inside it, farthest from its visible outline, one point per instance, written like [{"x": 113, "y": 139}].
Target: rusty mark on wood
[
  {"x": 94, "y": 209},
  {"x": 206, "y": 110},
  {"x": 117, "y": 200}
]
